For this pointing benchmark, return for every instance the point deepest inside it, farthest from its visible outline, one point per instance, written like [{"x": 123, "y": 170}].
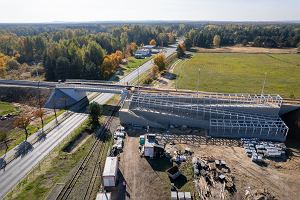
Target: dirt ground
[
  {"x": 237, "y": 49},
  {"x": 147, "y": 180},
  {"x": 143, "y": 182},
  {"x": 281, "y": 179}
]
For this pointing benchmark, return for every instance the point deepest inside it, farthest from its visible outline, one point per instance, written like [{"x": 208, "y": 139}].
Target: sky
[{"x": 138, "y": 10}]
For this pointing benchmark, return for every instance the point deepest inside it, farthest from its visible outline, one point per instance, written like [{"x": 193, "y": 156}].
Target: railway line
[{"x": 90, "y": 167}]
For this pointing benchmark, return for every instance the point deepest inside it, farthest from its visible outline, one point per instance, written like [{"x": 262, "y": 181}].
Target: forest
[
  {"x": 257, "y": 35},
  {"x": 95, "y": 50}
]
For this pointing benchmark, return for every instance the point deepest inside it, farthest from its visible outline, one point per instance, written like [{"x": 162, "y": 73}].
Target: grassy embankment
[
  {"x": 56, "y": 165},
  {"x": 241, "y": 73},
  {"x": 134, "y": 63},
  {"x": 16, "y": 135},
  {"x": 6, "y": 108}
]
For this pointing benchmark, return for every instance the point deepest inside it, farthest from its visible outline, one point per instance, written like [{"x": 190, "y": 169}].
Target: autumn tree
[
  {"x": 111, "y": 63},
  {"x": 4, "y": 139},
  {"x": 2, "y": 66},
  {"x": 217, "y": 41},
  {"x": 180, "y": 50},
  {"x": 23, "y": 121},
  {"x": 152, "y": 42},
  {"x": 119, "y": 56},
  {"x": 160, "y": 61},
  {"x": 40, "y": 114},
  {"x": 12, "y": 64},
  {"x": 107, "y": 67},
  {"x": 155, "y": 71},
  {"x": 132, "y": 48}
]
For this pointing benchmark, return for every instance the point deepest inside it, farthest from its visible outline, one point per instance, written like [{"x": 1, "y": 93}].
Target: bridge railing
[{"x": 88, "y": 81}]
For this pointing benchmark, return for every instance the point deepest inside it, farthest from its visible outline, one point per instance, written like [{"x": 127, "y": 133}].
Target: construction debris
[
  {"x": 212, "y": 177},
  {"x": 261, "y": 194},
  {"x": 174, "y": 172}
]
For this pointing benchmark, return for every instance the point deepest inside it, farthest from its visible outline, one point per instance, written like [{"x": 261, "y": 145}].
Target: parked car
[
  {"x": 3, "y": 118},
  {"x": 119, "y": 134}
]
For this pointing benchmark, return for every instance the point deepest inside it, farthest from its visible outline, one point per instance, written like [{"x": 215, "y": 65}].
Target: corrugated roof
[{"x": 110, "y": 167}]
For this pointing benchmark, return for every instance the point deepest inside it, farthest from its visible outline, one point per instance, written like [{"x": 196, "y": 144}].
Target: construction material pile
[
  {"x": 181, "y": 156},
  {"x": 258, "y": 150},
  {"x": 260, "y": 194},
  {"x": 212, "y": 178}
]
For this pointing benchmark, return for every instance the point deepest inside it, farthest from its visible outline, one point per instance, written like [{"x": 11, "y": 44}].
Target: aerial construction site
[
  {"x": 121, "y": 111},
  {"x": 223, "y": 115},
  {"x": 162, "y": 143}
]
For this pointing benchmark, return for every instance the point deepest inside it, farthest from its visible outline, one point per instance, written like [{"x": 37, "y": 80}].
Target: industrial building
[{"x": 223, "y": 115}]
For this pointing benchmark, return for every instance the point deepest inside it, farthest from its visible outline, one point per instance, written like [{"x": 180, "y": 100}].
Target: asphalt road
[{"x": 16, "y": 170}]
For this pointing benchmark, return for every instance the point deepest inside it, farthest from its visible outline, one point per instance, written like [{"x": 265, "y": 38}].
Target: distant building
[
  {"x": 152, "y": 49},
  {"x": 149, "y": 47},
  {"x": 142, "y": 53}
]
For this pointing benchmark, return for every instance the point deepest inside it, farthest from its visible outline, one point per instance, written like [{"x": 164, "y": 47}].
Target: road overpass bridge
[
  {"x": 66, "y": 94},
  {"x": 74, "y": 90}
]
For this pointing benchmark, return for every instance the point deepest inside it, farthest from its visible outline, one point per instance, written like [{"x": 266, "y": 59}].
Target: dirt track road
[{"x": 143, "y": 183}]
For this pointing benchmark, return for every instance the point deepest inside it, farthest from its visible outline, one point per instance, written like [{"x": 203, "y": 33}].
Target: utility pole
[
  {"x": 263, "y": 86},
  {"x": 138, "y": 79},
  {"x": 39, "y": 93},
  {"x": 55, "y": 107},
  {"x": 198, "y": 86},
  {"x": 40, "y": 106}
]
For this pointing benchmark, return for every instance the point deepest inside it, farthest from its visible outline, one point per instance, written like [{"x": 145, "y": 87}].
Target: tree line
[
  {"x": 94, "y": 51},
  {"x": 78, "y": 53},
  {"x": 269, "y": 36}
]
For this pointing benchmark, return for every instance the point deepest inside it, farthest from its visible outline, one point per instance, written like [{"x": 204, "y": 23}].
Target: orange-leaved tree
[
  {"x": 23, "y": 121},
  {"x": 160, "y": 61},
  {"x": 2, "y": 65},
  {"x": 152, "y": 42},
  {"x": 39, "y": 113}
]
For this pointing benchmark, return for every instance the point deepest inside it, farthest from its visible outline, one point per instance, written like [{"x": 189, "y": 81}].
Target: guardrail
[{"x": 28, "y": 83}]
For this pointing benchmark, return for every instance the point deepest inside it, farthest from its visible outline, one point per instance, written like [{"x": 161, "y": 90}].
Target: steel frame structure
[{"x": 225, "y": 113}]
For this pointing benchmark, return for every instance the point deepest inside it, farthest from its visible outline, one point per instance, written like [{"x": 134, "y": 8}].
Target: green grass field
[
  {"x": 6, "y": 108},
  {"x": 134, "y": 63},
  {"x": 241, "y": 73}
]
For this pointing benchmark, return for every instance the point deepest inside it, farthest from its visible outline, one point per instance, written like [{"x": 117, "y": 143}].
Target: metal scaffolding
[{"x": 228, "y": 115}]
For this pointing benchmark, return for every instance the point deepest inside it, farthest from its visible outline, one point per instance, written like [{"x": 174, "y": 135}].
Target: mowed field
[{"x": 241, "y": 73}]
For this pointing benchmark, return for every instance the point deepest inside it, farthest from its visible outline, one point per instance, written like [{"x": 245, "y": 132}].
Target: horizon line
[{"x": 141, "y": 21}]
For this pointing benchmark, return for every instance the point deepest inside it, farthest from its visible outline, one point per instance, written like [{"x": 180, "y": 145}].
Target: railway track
[
  {"x": 98, "y": 149},
  {"x": 291, "y": 101}
]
